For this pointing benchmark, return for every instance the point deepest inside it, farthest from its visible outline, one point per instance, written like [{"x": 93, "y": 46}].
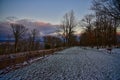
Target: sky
[
  {"x": 47, "y": 14},
  {"x": 50, "y": 11}
]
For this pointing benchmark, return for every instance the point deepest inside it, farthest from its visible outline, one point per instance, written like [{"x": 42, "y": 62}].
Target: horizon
[{"x": 46, "y": 14}]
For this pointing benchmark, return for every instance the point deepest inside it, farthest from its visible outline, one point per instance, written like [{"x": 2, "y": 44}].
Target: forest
[{"x": 99, "y": 29}]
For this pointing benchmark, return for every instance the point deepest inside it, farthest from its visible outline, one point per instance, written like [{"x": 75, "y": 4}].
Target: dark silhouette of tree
[
  {"x": 67, "y": 27},
  {"x": 107, "y": 14},
  {"x": 87, "y": 23},
  {"x": 101, "y": 32},
  {"x": 18, "y": 31},
  {"x": 52, "y": 42},
  {"x": 109, "y": 7},
  {"x": 33, "y": 36},
  {"x": 106, "y": 21}
]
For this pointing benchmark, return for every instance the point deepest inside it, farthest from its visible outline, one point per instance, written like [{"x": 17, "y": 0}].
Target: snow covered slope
[{"x": 71, "y": 64}]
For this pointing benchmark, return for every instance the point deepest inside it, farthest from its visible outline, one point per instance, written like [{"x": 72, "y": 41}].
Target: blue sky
[
  {"x": 45, "y": 13},
  {"x": 44, "y": 10}
]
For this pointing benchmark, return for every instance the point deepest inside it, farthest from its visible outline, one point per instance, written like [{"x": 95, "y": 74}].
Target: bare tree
[
  {"x": 67, "y": 27},
  {"x": 87, "y": 23},
  {"x": 33, "y": 37},
  {"x": 107, "y": 14},
  {"x": 109, "y": 7},
  {"x": 8, "y": 43},
  {"x": 18, "y": 32}
]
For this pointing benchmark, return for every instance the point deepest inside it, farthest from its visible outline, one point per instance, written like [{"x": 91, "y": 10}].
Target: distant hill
[{"x": 7, "y": 40}]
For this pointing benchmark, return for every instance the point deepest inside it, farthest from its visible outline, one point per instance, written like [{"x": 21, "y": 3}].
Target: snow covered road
[{"x": 71, "y": 64}]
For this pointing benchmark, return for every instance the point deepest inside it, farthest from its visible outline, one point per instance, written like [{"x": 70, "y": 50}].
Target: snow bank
[{"x": 15, "y": 61}]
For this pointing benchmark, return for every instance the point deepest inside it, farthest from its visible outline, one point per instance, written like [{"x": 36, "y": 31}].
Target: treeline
[
  {"x": 67, "y": 29},
  {"x": 30, "y": 40},
  {"x": 101, "y": 27}
]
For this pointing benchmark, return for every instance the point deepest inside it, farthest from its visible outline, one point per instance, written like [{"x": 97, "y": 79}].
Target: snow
[
  {"x": 71, "y": 64},
  {"x": 19, "y": 65}
]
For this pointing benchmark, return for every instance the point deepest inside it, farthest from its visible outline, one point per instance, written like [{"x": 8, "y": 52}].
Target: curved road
[{"x": 71, "y": 64}]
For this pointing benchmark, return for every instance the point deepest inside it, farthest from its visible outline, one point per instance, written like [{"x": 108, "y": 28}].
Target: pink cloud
[
  {"x": 44, "y": 28},
  {"x": 40, "y": 23}
]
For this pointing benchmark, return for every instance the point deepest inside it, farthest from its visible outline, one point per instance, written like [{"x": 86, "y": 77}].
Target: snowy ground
[{"x": 71, "y": 64}]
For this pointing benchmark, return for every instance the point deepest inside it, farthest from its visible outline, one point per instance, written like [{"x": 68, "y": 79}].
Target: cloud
[
  {"x": 11, "y": 18},
  {"x": 5, "y": 30},
  {"x": 41, "y": 26},
  {"x": 42, "y": 23},
  {"x": 44, "y": 28}
]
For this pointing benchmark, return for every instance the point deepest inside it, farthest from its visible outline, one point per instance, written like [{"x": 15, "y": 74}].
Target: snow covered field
[{"x": 71, "y": 64}]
